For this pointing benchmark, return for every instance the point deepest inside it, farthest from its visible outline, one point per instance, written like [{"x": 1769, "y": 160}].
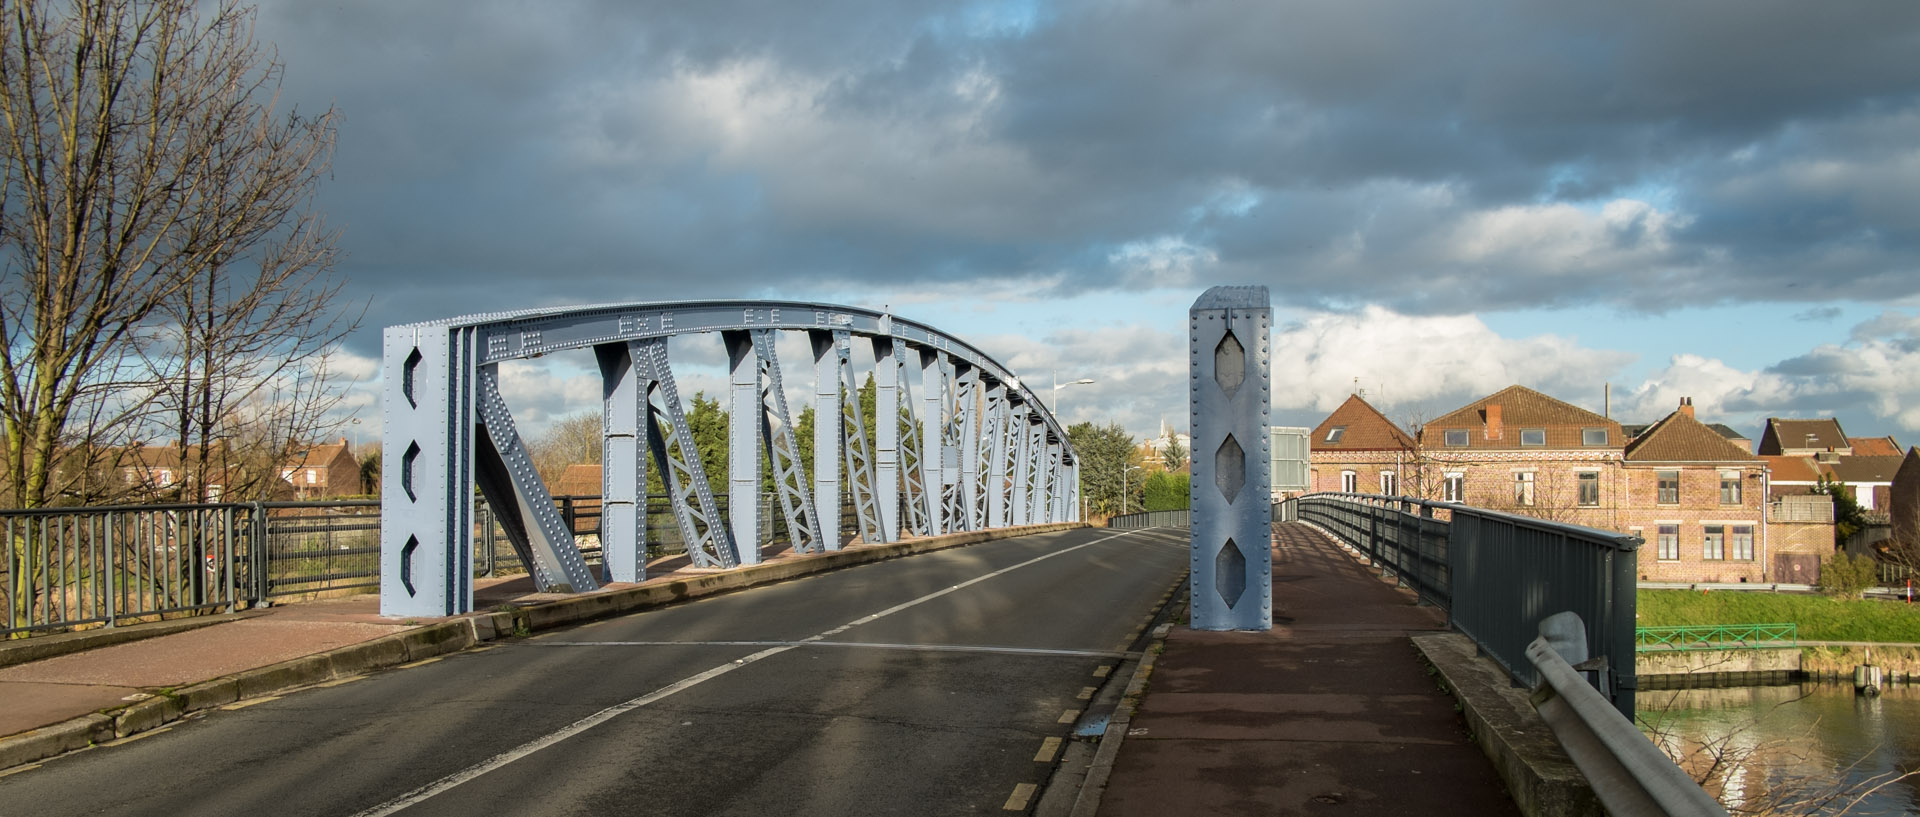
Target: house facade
[
  {"x": 1520, "y": 451},
  {"x": 1699, "y": 502},
  {"x": 1358, "y": 450},
  {"x": 323, "y": 471}
]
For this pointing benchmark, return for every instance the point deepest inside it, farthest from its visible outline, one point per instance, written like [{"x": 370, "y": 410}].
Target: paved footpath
[{"x": 1330, "y": 712}]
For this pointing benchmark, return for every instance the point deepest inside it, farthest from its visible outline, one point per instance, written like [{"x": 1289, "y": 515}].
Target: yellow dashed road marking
[
  {"x": 1101, "y": 671},
  {"x": 1069, "y": 715},
  {"x": 1048, "y": 748},
  {"x": 1086, "y": 693},
  {"x": 1017, "y": 801},
  {"x": 18, "y": 769},
  {"x": 339, "y": 682},
  {"x": 420, "y": 663}
]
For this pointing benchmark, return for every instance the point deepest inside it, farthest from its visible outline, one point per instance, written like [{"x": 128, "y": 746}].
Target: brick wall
[{"x": 1699, "y": 506}]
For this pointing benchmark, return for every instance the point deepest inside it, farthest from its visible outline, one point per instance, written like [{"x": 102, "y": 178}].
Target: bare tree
[
  {"x": 571, "y": 440},
  {"x": 147, "y": 176}
]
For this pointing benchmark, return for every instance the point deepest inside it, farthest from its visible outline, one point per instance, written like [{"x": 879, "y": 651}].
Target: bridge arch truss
[{"x": 973, "y": 450}]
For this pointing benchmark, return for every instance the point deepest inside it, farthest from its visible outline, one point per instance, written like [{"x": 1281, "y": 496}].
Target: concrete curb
[
  {"x": 1541, "y": 778},
  {"x": 1087, "y": 803},
  {"x": 447, "y": 637}
]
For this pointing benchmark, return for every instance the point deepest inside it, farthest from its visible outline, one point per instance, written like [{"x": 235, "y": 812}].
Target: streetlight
[
  {"x": 1123, "y": 484},
  {"x": 1057, "y": 386}
]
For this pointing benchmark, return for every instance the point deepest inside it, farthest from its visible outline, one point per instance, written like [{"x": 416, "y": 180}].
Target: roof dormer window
[
  {"x": 1334, "y": 434},
  {"x": 1533, "y": 436}
]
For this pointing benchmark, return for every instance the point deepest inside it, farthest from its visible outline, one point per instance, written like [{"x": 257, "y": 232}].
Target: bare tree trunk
[{"x": 142, "y": 154}]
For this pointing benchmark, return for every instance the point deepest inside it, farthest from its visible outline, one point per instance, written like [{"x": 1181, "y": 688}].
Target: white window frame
[
  {"x": 1349, "y": 482},
  {"x": 1525, "y": 489},
  {"x": 1667, "y": 550},
  {"x": 1730, "y": 478},
  {"x": 1453, "y": 486},
  {"x": 1389, "y": 483}
]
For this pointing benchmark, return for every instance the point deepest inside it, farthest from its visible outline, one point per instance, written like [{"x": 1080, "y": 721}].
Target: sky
[{"x": 1653, "y": 200}]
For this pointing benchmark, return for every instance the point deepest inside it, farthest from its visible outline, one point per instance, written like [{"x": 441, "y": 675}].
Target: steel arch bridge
[{"x": 975, "y": 449}]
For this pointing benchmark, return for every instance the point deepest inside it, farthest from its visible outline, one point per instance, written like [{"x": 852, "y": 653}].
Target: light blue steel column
[
  {"x": 933, "y": 390},
  {"x": 743, "y": 447},
  {"x": 827, "y": 433},
  {"x": 1230, "y": 387},
  {"x": 426, "y": 530},
  {"x": 886, "y": 437},
  {"x": 1020, "y": 434},
  {"x": 995, "y": 467},
  {"x": 623, "y": 473}
]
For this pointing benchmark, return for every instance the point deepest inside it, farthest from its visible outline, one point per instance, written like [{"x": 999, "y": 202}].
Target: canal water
[{"x": 1813, "y": 748}]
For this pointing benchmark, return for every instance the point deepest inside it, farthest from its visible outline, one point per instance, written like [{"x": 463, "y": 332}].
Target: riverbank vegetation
[{"x": 1820, "y": 618}]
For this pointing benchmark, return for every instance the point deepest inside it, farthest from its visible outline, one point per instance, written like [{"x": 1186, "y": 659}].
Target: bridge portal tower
[{"x": 1230, "y": 390}]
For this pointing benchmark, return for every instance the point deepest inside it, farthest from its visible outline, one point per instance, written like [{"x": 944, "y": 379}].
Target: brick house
[
  {"x": 163, "y": 473},
  {"x": 323, "y": 471},
  {"x": 1521, "y": 451},
  {"x": 1699, "y": 501},
  {"x": 1358, "y": 450},
  {"x": 1903, "y": 506},
  {"x": 1805, "y": 452},
  {"x": 581, "y": 480},
  {"x": 1803, "y": 438}
]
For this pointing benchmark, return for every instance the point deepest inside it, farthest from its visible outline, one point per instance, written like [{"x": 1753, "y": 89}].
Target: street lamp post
[{"x": 1057, "y": 386}]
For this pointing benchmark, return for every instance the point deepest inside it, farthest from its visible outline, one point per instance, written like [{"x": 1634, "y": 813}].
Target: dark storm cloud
[{"x": 1432, "y": 156}]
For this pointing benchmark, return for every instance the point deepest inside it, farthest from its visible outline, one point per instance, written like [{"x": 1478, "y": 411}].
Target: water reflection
[{"x": 1799, "y": 749}]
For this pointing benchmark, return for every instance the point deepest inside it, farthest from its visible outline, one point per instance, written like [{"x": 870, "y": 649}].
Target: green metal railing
[{"x": 1717, "y": 637}]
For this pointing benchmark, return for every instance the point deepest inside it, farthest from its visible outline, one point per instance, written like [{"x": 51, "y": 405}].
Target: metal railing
[
  {"x": 1182, "y": 518},
  {"x": 1717, "y": 637},
  {"x": 1628, "y": 773},
  {"x": 67, "y": 567},
  {"x": 1497, "y": 575}
]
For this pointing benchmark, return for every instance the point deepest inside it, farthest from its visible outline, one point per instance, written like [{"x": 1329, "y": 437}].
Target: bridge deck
[{"x": 1331, "y": 710}]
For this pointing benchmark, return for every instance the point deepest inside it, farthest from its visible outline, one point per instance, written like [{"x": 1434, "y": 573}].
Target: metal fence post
[{"x": 1229, "y": 390}]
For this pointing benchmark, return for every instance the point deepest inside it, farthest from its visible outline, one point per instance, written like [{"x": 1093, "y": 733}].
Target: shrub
[{"x": 1845, "y": 576}]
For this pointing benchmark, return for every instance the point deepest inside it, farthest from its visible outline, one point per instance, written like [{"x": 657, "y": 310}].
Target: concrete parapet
[{"x": 1542, "y": 779}]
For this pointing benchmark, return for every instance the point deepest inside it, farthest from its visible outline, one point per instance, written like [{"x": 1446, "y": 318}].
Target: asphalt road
[{"x": 923, "y": 686}]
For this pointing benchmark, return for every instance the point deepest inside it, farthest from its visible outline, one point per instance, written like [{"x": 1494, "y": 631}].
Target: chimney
[
  {"x": 1686, "y": 406},
  {"x": 1493, "y": 421}
]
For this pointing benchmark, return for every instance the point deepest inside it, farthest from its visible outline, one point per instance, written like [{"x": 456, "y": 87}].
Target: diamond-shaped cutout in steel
[
  {"x": 1229, "y": 365},
  {"x": 1230, "y": 574},
  {"x": 1230, "y": 469}
]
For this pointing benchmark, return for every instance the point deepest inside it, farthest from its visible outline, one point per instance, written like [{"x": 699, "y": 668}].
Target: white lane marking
[
  {"x": 870, "y": 645},
  {"x": 444, "y": 784}
]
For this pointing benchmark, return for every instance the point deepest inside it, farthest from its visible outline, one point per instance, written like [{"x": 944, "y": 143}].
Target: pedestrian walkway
[{"x": 1330, "y": 712}]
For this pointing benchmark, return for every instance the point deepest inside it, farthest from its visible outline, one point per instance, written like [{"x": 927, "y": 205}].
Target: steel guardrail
[{"x": 1628, "y": 773}]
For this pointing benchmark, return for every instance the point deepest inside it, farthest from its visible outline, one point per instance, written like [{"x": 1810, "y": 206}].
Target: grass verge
[{"x": 1819, "y": 618}]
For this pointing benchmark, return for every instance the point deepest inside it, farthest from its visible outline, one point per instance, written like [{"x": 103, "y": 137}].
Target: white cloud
[{"x": 1430, "y": 362}]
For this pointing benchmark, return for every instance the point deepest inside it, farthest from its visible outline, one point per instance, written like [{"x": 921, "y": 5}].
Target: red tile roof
[
  {"x": 1874, "y": 446},
  {"x": 1681, "y": 438},
  {"x": 1792, "y": 469},
  {"x": 1522, "y": 408},
  {"x": 1364, "y": 428}
]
